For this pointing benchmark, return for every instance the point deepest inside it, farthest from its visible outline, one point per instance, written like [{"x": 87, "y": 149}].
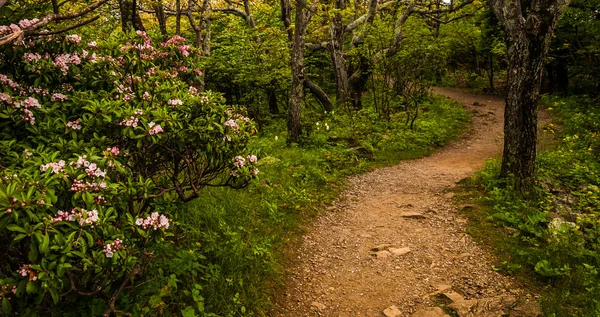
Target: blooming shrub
[{"x": 100, "y": 142}]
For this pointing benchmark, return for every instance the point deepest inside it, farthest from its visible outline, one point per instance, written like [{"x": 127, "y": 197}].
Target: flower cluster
[
  {"x": 110, "y": 247},
  {"x": 74, "y": 38},
  {"x": 79, "y": 185},
  {"x": 25, "y": 23},
  {"x": 240, "y": 161},
  {"x": 233, "y": 125},
  {"x": 26, "y": 270},
  {"x": 58, "y": 97},
  {"x": 5, "y": 98},
  {"x": 113, "y": 150},
  {"x": 57, "y": 167},
  {"x": 155, "y": 128},
  {"x": 131, "y": 122},
  {"x": 154, "y": 221},
  {"x": 29, "y": 102},
  {"x": 175, "y": 102},
  {"x": 31, "y": 57},
  {"x": 6, "y": 287},
  {"x": 62, "y": 61},
  {"x": 90, "y": 168},
  {"x": 74, "y": 125},
  {"x": 84, "y": 217}
]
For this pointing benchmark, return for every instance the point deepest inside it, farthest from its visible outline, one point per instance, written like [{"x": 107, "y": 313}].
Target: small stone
[
  {"x": 382, "y": 247},
  {"x": 412, "y": 215},
  {"x": 449, "y": 195},
  {"x": 382, "y": 254},
  {"x": 430, "y": 312},
  {"x": 317, "y": 305},
  {"x": 392, "y": 311},
  {"x": 398, "y": 251}
]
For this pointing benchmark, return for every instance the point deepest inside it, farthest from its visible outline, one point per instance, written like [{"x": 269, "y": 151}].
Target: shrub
[{"x": 100, "y": 144}]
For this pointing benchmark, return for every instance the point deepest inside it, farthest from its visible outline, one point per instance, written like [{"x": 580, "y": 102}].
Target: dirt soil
[{"x": 394, "y": 238}]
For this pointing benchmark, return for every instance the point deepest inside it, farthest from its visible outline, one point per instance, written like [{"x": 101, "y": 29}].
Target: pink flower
[
  {"x": 74, "y": 125},
  {"x": 27, "y": 23},
  {"x": 110, "y": 247},
  {"x": 175, "y": 102},
  {"x": 31, "y": 57},
  {"x": 113, "y": 150},
  {"x": 57, "y": 167},
  {"x": 5, "y": 98},
  {"x": 92, "y": 44},
  {"x": 252, "y": 158},
  {"x": 58, "y": 97},
  {"x": 239, "y": 161},
  {"x": 154, "y": 221},
  {"x": 232, "y": 124},
  {"x": 154, "y": 128},
  {"x": 74, "y": 38}
]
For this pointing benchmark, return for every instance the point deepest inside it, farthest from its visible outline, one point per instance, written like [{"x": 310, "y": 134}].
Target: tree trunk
[
  {"x": 336, "y": 51},
  {"x": 162, "y": 20},
  {"x": 297, "y": 68},
  {"x": 358, "y": 82},
  {"x": 130, "y": 18},
  {"x": 178, "y": 17},
  {"x": 528, "y": 41},
  {"x": 526, "y": 60}
]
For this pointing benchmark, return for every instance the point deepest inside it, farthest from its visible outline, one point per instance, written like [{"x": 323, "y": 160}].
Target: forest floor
[{"x": 394, "y": 244}]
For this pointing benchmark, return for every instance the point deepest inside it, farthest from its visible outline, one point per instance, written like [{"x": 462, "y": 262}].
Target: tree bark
[
  {"x": 178, "y": 17},
  {"x": 336, "y": 51},
  {"x": 130, "y": 17},
  {"x": 159, "y": 10},
  {"x": 297, "y": 69},
  {"x": 528, "y": 40}
]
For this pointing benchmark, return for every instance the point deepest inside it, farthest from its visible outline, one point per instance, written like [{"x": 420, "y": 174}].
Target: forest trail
[{"x": 406, "y": 212}]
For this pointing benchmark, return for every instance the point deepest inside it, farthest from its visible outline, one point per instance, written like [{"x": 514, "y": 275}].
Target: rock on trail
[{"x": 394, "y": 242}]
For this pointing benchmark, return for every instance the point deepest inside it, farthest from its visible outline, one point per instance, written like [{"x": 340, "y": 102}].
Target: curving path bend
[{"x": 405, "y": 211}]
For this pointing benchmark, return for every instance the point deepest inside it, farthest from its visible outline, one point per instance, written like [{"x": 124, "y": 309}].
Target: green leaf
[
  {"x": 33, "y": 254},
  {"x": 44, "y": 245},
  {"x": 6, "y": 307},
  {"x": 13, "y": 227},
  {"x": 60, "y": 270},
  {"x": 32, "y": 288},
  {"x": 54, "y": 295},
  {"x": 188, "y": 312}
]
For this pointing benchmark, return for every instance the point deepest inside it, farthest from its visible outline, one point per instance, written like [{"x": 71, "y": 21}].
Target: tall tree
[{"x": 529, "y": 30}]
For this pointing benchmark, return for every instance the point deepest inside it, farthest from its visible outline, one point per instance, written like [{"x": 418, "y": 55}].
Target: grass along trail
[{"x": 395, "y": 245}]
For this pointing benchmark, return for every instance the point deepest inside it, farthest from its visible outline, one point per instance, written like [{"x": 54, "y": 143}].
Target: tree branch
[
  {"x": 88, "y": 21},
  {"x": 46, "y": 20}
]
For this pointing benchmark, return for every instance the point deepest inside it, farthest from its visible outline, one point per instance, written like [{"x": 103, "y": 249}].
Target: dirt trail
[{"x": 408, "y": 207}]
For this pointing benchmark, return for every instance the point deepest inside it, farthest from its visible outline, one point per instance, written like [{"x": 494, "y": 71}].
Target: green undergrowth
[
  {"x": 229, "y": 253},
  {"x": 551, "y": 240}
]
